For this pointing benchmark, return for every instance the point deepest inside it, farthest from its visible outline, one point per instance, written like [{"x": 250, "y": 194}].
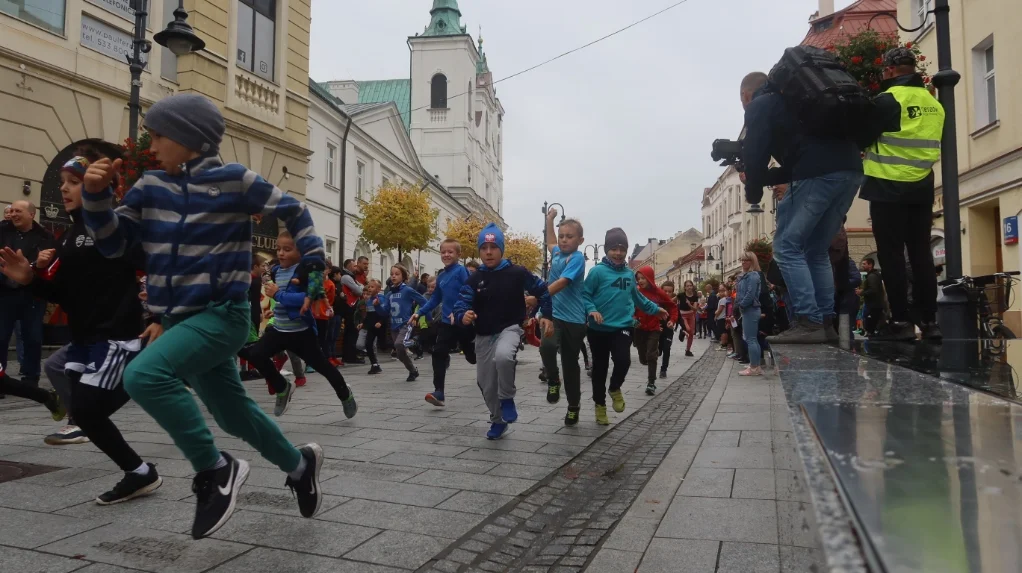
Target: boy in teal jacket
[{"x": 610, "y": 297}]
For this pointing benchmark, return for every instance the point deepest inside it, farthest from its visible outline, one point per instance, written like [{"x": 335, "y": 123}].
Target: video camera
[{"x": 729, "y": 152}]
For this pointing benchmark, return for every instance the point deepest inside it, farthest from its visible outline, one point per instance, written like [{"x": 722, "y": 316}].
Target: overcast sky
[{"x": 619, "y": 132}]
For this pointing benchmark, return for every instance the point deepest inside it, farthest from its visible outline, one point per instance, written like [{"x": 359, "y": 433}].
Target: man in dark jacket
[
  {"x": 872, "y": 293},
  {"x": 824, "y": 176},
  {"x": 17, "y": 304},
  {"x": 902, "y": 143}
]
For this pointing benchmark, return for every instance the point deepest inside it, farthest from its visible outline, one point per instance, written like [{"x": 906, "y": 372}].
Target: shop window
[{"x": 257, "y": 36}]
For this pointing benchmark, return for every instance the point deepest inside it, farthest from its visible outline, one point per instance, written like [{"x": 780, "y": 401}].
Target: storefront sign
[
  {"x": 120, "y": 7},
  {"x": 106, "y": 39},
  {"x": 1011, "y": 230},
  {"x": 939, "y": 251}
]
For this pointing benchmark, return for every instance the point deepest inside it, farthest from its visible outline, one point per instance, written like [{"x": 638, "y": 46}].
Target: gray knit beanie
[
  {"x": 615, "y": 238},
  {"x": 188, "y": 119}
]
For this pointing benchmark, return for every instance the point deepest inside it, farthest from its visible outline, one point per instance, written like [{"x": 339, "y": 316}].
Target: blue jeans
[
  {"x": 21, "y": 306},
  {"x": 334, "y": 331},
  {"x": 808, "y": 217},
  {"x": 750, "y": 333}
]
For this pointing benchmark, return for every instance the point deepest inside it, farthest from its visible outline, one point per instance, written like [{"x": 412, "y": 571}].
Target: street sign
[{"x": 1011, "y": 230}]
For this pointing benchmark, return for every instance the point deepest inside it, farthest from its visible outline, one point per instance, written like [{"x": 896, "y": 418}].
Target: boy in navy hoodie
[
  {"x": 492, "y": 300},
  {"x": 448, "y": 286}
]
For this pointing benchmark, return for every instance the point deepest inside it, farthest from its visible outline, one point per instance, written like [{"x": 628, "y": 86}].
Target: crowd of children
[{"x": 185, "y": 231}]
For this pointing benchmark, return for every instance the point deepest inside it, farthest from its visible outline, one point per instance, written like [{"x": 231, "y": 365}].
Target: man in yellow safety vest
[{"x": 903, "y": 145}]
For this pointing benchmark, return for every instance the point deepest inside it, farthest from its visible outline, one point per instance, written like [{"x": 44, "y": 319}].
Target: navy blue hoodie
[
  {"x": 448, "y": 286},
  {"x": 497, "y": 296}
]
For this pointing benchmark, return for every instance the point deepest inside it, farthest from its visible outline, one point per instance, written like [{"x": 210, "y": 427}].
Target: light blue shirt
[{"x": 568, "y": 304}]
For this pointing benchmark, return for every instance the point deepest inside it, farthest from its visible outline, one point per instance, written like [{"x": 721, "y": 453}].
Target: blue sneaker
[
  {"x": 436, "y": 398},
  {"x": 497, "y": 431},
  {"x": 508, "y": 410}
]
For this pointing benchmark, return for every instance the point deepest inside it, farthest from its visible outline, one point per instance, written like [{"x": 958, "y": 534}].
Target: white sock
[
  {"x": 297, "y": 474},
  {"x": 142, "y": 470},
  {"x": 221, "y": 463}
]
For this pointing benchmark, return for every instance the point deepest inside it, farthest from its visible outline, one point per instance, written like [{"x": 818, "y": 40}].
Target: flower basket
[
  {"x": 764, "y": 250},
  {"x": 863, "y": 56},
  {"x": 137, "y": 160}
]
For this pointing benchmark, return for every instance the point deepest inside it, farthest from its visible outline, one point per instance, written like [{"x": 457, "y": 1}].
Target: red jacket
[{"x": 657, "y": 295}]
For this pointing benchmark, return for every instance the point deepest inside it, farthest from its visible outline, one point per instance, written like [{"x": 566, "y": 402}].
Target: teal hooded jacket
[{"x": 611, "y": 290}]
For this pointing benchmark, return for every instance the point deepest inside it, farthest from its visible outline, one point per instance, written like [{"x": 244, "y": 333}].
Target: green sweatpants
[{"x": 201, "y": 349}]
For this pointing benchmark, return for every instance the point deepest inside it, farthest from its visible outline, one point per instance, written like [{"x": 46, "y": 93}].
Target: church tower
[{"x": 456, "y": 120}]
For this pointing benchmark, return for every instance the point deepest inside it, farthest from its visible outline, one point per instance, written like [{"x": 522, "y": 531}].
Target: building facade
[
  {"x": 349, "y": 164},
  {"x": 661, "y": 254},
  {"x": 728, "y": 227},
  {"x": 64, "y": 78},
  {"x": 985, "y": 47},
  {"x": 449, "y": 107}
]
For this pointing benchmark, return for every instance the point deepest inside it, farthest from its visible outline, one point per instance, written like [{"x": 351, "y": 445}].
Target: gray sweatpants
[
  {"x": 54, "y": 368},
  {"x": 398, "y": 336},
  {"x": 496, "y": 359}
]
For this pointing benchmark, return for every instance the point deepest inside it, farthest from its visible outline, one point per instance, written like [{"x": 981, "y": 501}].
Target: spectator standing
[
  {"x": 903, "y": 144},
  {"x": 872, "y": 293},
  {"x": 17, "y": 304},
  {"x": 344, "y": 307}
]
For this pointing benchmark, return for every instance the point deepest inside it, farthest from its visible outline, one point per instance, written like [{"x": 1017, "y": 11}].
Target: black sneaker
[
  {"x": 412, "y": 375},
  {"x": 663, "y": 374},
  {"x": 571, "y": 418},
  {"x": 650, "y": 389},
  {"x": 306, "y": 488},
  {"x": 375, "y": 369},
  {"x": 542, "y": 375},
  {"x": 350, "y": 406},
  {"x": 216, "y": 493},
  {"x": 689, "y": 353},
  {"x": 131, "y": 486},
  {"x": 553, "y": 394}
]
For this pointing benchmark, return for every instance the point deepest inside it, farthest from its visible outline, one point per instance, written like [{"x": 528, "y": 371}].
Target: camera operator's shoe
[
  {"x": 830, "y": 328},
  {"x": 804, "y": 331},
  {"x": 931, "y": 331}
]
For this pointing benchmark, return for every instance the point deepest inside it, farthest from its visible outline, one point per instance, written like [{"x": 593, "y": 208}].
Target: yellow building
[
  {"x": 64, "y": 78},
  {"x": 985, "y": 47}
]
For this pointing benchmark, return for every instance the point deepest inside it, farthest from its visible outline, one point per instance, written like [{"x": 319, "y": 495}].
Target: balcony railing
[
  {"x": 256, "y": 97},
  {"x": 438, "y": 116}
]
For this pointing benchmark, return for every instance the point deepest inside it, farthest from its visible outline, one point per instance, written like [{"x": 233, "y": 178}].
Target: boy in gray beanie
[{"x": 194, "y": 222}]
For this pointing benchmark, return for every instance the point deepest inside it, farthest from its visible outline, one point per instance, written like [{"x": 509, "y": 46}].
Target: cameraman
[{"x": 824, "y": 175}]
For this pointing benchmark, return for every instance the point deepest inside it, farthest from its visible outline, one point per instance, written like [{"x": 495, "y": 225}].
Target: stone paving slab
[{"x": 402, "y": 480}]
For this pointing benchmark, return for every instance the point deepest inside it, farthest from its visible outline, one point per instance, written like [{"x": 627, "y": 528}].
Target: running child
[
  {"x": 667, "y": 332},
  {"x": 449, "y": 332},
  {"x": 198, "y": 265},
  {"x": 649, "y": 330},
  {"x": 402, "y": 300},
  {"x": 492, "y": 300},
  {"x": 104, "y": 311},
  {"x": 688, "y": 307},
  {"x": 294, "y": 329},
  {"x": 370, "y": 313},
  {"x": 610, "y": 297},
  {"x": 567, "y": 269}
]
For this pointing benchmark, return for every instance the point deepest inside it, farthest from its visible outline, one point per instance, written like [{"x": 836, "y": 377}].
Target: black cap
[{"x": 899, "y": 57}]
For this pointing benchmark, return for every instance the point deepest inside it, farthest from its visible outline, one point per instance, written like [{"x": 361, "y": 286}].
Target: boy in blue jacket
[
  {"x": 194, "y": 220},
  {"x": 402, "y": 300},
  {"x": 293, "y": 330},
  {"x": 449, "y": 332},
  {"x": 492, "y": 300},
  {"x": 610, "y": 296}
]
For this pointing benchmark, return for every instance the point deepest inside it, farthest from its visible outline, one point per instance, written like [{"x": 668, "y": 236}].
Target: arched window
[{"x": 438, "y": 92}]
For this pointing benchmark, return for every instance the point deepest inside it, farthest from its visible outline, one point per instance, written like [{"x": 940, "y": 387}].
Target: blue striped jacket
[{"x": 196, "y": 230}]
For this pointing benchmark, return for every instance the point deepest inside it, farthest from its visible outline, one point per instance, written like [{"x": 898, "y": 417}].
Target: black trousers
[
  {"x": 666, "y": 340},
  {"x": 648, "y": 343},
  {"x": 447, "y": 337},
  {"x": 569, "y": 339},
  {"x": 350, "y": 336},
  {"x": 323, "y": 335},
  {"x": 372, "y": 335},
  {"x": 897, "y": 229},
  {"x": 607, "y": 345},
  {"x": 15, "y": 387},
  {"x": 91, "y": 408},
  {"x": 303, "y": 343}
]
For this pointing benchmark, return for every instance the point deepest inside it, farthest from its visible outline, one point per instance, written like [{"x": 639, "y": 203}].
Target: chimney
[
  {"x": 345, "y": 90},
  {"x": 826, "y": 8}
]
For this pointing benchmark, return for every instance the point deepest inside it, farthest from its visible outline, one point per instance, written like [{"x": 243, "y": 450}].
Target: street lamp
[
  {"x": 546, "y": 250},
  {"x": 178, "y": 37},
  {"x": 709, "y": 257},
  {"x": 596, "y": 252}
]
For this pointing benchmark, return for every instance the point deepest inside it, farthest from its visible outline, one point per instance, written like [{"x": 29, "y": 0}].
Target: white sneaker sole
[
  {"x": 144, "y": 491},
  {"x": 63, "y": 442},
  {"x": 239, "y": 480}
]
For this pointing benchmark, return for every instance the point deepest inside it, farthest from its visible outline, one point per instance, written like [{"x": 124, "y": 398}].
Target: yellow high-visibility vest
[{"x": 908, "y": 155}]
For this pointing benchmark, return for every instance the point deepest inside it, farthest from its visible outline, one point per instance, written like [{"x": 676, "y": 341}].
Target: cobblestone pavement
[
  {"x": 404, "y": 482},
  {"x": 557, "y": 524}
]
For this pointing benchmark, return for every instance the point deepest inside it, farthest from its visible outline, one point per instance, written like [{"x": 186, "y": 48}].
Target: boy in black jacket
[
  {"x": 100, "y": 297},
  {"x": 492, "y": 300}
]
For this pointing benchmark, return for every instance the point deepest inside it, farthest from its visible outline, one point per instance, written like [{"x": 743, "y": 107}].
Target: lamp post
[
  {"x": 178, "y": 37},
  {"x": 709, "y": 257},
  {"x": 945, "y": 81},
  {"x": 596, "y": 252},
  {"x": 546, "y": 250}
]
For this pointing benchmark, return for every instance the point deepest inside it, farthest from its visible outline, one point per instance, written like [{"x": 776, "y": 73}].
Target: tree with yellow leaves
[
  {"x": 521, "y": 248},
  {"x": 399, "y": 216}
]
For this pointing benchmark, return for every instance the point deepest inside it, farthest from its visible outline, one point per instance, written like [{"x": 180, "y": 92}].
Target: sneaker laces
[{"x": 203, "y": 485}]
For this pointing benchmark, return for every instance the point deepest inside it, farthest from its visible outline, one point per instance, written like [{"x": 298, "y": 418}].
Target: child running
[
  {"x": 294, "y": 329},
  {"x": 688, "y": 306},
  {"x": 648, "y": 331},
  {"x": 402, "y": 300},
  {"x": 449, "y": 333},
  {"x": 370, "y": 316},
  {"x": 194, "y": 221},
  {"x": 610, "y": 296},
  {"x": 667, "y": 332},
  {"x": 104, "y": 311},
  {"x": 492, "y": 300},
  {"x": 567, "y": 269}
]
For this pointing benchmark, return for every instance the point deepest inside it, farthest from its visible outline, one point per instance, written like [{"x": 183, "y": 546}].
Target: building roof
[
  {"x": 357, "y": 108},
  {"x": 383, "y": 91},
  {"x": 861, "y": 15},
  {"x": 445, "y": 19}
]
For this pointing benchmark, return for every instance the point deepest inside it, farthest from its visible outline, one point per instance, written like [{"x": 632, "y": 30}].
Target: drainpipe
[{"x": 344, "y": 178}]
